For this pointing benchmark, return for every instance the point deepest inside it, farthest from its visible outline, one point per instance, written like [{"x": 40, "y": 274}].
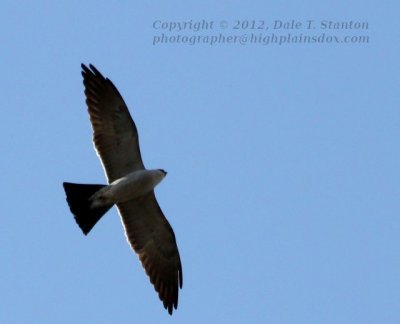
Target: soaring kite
[{"x": 130, "y": 187}]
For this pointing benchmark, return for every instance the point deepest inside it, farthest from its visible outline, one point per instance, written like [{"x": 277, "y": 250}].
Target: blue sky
[{"x": 283, "y": 163}]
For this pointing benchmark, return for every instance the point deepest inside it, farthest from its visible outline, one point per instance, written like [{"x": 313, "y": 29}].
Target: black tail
[{"x": 78, "y": 200}]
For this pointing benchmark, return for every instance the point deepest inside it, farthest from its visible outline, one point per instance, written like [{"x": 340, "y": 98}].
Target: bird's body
[{"x": 130, "y": 187}]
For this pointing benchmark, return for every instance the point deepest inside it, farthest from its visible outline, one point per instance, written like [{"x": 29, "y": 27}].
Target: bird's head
[
  {"x": 158, "y": 175},
  {"x": 163, "y": 172}
]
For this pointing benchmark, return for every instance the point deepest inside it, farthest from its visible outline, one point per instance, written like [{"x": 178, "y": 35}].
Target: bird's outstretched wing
[
  {"x": 114, "y": 133},
  {"x": 153, "y": 239}
]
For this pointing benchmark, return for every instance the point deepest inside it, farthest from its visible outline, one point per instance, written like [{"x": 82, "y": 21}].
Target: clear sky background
[{"x": 283, "y": 163}]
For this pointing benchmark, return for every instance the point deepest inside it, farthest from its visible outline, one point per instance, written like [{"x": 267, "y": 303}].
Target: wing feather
[
  {"x": 115, "y": 135},
  {"x": 152, "y": 238}
]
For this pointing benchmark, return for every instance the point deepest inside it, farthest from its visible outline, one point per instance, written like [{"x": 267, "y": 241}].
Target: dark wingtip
[
  {"x": 95, "y": 71},
  {"x": 84, "y": 231},
  {"x": 84, "y": 68},
  {"x": 91, "y": 70},
  {"x": 180, "y": 277}
]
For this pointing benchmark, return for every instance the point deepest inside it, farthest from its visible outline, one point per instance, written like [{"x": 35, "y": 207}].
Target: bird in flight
[{"x": 130, "y": 187}]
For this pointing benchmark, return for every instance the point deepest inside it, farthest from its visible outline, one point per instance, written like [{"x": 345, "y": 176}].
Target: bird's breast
[{"x": 131, "y": 186}]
